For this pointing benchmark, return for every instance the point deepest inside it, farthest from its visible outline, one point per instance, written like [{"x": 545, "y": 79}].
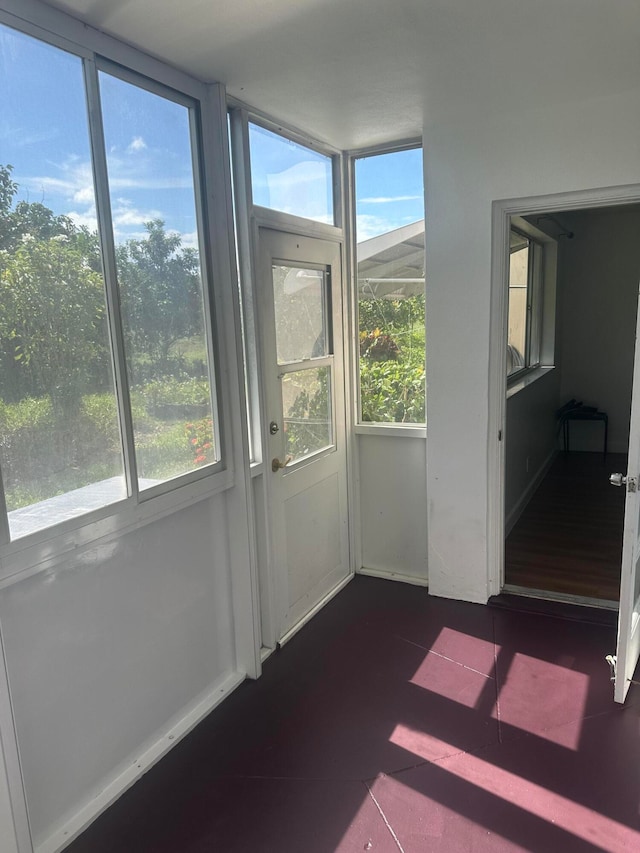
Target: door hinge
[{"x": 499, "y": 435}]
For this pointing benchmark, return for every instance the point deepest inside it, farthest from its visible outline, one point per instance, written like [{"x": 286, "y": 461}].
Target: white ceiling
[{"x": 361, "y": 72}]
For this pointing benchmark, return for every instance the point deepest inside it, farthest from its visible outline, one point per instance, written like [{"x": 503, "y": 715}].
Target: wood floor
[{"x": 569, "y": 538}]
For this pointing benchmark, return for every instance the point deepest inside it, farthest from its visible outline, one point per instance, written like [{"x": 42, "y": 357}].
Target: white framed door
[
  {"x": 305, "y": 425},
  {"x": 628, "y": 648}
]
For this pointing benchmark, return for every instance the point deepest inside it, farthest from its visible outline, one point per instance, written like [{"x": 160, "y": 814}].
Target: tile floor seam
[
  {"x": 383, "y": 816},
  {"x": 438, "y": 760},
  {"x": 495, "y": 673},
  {"x": 444, "y": 657},
  {"x": 524, "y": 735}
]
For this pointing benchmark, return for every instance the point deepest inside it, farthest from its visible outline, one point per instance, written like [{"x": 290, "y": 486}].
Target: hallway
[
  {"x": 569, "y": 538},
  {"x": 396, "y": 721}
]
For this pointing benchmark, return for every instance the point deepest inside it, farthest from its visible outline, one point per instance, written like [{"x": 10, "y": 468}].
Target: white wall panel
[
  {"x": 599, "y": 275},
  {"x": 531, "y": 440},
  {"x": 586, "y": 144},
  {"x": 105, "y": 649},
  {"x": 393, "y": 505}
]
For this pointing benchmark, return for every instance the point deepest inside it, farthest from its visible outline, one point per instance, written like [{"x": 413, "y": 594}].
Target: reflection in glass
[
  {"x": 153, "y": 202},
  {"x": 306, "y": 409},
  {"x": 60, "y": 447},
  {"x": 289, "y": 177},
  {"x": 299, "y": 303}
]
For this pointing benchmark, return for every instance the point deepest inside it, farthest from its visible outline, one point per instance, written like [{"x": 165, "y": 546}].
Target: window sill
[
  {"x": 37, "y": 551},
  {"x": 527, "y": 378},
  {"x": 392, "y": 430}
]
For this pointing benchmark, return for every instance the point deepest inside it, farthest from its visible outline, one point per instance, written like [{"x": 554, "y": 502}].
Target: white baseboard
[
  {"x": 389, "y": 575},
  {"x": 124, "y": 779},
  {"x": 518, "y": 508}
]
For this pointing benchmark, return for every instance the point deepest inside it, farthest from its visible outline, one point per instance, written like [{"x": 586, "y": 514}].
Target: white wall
[
  {"x": 393, "y": 506},
  {"x": 586, "y": 144},
  {"x": 107, "y": 648},
  {"x": 599, "y": 276},
  {"x": 531, "y": 440}
]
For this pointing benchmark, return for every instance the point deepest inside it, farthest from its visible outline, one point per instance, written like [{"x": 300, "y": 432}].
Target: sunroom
[{"x": 215, "y": 351}]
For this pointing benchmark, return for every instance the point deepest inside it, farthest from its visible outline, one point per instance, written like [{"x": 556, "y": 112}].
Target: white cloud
[
  {"x": 368, "y": 226},
  {"x": 383, "y": 199},
  {"x": 137, "y": 144},
  {"x": 126, "y": 214},
  {"x": 87, "y": 218}
]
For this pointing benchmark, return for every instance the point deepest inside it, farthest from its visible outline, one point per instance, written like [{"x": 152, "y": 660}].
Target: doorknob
[
  {"x": 276, "y": 464},
  {"x": 621, "y": 479}
]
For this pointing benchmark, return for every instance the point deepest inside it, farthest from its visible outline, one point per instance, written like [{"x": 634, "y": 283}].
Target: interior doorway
[{"x": 568, "y": 405}]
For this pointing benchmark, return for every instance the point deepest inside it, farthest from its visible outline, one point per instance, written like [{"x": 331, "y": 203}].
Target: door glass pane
[
  {"x": 518, "y": 277},
  {"x": 290, "y": 177},
  {"x": 306, "y": 411},
  {"x": 60, "y": 447},
  {"x": 300, "y": 308},
  {"x": 153, "y": 201}
]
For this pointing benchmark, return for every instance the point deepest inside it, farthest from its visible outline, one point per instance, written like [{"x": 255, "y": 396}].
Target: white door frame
[{"x": 502, "y": 211}]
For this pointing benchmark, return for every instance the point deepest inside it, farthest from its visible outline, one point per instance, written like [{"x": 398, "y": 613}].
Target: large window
[
  {"x": 105, "y": 379},
  {"x": 525, "y": 302},
  {"x": 389, "y": 205}
]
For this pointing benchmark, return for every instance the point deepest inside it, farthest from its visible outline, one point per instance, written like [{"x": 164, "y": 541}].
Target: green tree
[
  {"x": 161, "y": 295},
  {"x": 52, "y": 322}
]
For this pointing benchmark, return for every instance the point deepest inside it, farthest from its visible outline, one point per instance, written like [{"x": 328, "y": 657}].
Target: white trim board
[{"x": 389, "y": 575}]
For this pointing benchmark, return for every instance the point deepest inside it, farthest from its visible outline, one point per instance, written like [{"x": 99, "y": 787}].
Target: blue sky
[{"x": 44, "y": 135}]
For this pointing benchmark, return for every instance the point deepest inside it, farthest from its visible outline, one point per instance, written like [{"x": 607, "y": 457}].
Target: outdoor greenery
[
  {"x": 59, "y": 427},
  {"x": 392, "y": 360}
]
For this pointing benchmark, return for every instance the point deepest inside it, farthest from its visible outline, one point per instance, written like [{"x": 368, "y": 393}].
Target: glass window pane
[
  {"x": 153, "y": 205},
  {"x": 290, "y": 177},
  {"x": 391, "y": 303},
  {"x": 299, "y": 302},
  {"x": 306, "y": 411},
  {"x": 60, "y": 447},
  {"x": 518, "y": 277}
]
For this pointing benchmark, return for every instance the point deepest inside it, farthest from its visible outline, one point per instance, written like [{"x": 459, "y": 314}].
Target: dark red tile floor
[{"x": 399, "y": 722}]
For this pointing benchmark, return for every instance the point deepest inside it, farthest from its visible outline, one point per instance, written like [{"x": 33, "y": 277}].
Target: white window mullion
[{"x": 105, "y": 230}]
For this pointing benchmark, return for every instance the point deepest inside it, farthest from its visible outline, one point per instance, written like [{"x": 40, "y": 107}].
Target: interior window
[{"x": 525, "y": 296}]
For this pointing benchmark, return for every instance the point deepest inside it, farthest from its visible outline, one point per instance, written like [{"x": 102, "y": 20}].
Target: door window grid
[{"x": 302, "y": 336}]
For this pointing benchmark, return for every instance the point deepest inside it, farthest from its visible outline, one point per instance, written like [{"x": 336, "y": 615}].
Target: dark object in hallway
[
  {"x": 569, "y": 537},
  {"x": 576, "y": 411},
  {"x": 395, "y": 721}
]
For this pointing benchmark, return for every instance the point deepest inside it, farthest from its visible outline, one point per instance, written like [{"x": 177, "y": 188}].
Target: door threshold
[{"x": 561, "y": 597}]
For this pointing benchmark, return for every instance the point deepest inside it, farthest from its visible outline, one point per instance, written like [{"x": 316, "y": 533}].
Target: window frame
[
  {"x": 535, "y": 287},
  {"x": 388, "y": 428},
  {"x": 98, "y": 52}
]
